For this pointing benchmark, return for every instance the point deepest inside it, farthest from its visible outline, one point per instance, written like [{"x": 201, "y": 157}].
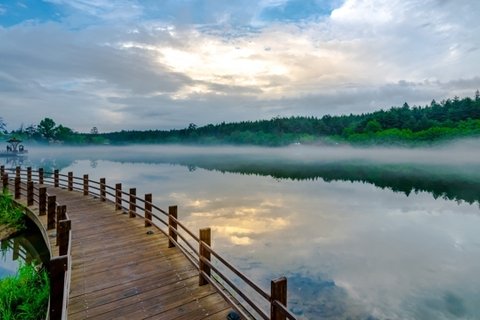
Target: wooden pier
[{"x": 111, "y": 259}]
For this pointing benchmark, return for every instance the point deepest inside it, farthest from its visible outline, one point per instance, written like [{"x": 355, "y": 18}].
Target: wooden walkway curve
[
  {"x": 109, "y": 261},
  {"x": 122, "y": 270}
]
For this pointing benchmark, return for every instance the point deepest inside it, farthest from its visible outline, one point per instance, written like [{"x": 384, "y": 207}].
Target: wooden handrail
[
  {"x": 199, "y": 258},
  {"x": 59, "y": 267}
]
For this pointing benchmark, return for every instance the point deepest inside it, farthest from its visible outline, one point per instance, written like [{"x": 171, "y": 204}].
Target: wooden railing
[
  {"x": 235, "y": 287},
  {"x": 59, "y": 266}
]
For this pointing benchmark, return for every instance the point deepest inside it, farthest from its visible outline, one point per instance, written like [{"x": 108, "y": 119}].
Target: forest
[{"x": 437, "y": 122}]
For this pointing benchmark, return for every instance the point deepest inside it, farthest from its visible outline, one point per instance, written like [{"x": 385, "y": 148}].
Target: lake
[
  {"x": 359, "y": 233},
  {"x": 25, "y": 247}
]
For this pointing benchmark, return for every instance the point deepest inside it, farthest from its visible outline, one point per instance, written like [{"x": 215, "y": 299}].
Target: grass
[
  {"x": 25, "y": 295},
  {"x": 11, "y": 215}
]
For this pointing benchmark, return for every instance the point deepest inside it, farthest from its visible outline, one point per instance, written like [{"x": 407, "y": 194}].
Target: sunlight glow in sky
[{"x": 133, "y": 64}]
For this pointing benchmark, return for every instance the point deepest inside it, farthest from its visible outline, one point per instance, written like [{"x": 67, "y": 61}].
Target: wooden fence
[
  {"x": 59, "y": 266},
  {"x": 248, "y": 299}
]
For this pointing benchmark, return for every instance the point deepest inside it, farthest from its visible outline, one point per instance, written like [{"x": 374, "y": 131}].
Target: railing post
[
  {"x": 61, "y": 215},
  {"x": 205, "y": 238},
  {"x": 118, "y": 196},
  {"x": 5, "y": 180},
  {"x": 17, "y": 172},
  {"x": 148, "y": 209},
  {"x": 40, "y": 176},
  {"x": 56, "y": 271},
  {"x": 51, "y": 210},
  {"x": 29, "y": 174},
  {"x": 64, "y": 228},
  {"x": 30, "y": 193},
  {"x": 70, "y": 181},
  {"x": 172, "y": 225},
  {"x": 42, "y": 201},
  {"x": 17, "y": 187},
  {"x": 56, "y": 178},
  {"x": 85, "y": 184},
  {"x": 278, "y": 292},
  {"x": 103, "y": 193},
  {"x": 133, "y": 201}
]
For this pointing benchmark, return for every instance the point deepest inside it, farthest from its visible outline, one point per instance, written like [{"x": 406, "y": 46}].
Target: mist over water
[
  {"x": 464, "y": 152},
  {"x": 360, "y": 233}
]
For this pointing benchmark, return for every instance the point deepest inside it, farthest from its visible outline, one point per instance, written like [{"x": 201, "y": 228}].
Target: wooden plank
[
  {"x": 127, "y": 266},
  {"x": 157, "y": 304},
  {"x": 221, "y": 315},
  {"x": 113, "y": 262},
  {"x": 107, "y": 255},
  {"x": 127, "y": 303},
  {"x": 126, "y": 289},
  {"x": 197, "y": 309}
]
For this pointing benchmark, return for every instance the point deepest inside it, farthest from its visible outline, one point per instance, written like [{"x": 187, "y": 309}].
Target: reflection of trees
[
  {"x": 448, "y": 182},
  {"x": 459, "y": 183},
  {"x": 27, "y": 247},
  {"x": 12, "y": 162}
]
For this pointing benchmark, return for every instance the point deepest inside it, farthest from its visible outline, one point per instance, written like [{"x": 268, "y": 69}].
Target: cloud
[
  {"x": 166, "y": 66},
  {"x": 57, "y": 58}
]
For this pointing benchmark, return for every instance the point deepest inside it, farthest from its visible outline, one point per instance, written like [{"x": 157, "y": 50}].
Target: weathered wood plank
[
  {"x": 197, "y": 309},
  {"x": 127, "y": 289}
]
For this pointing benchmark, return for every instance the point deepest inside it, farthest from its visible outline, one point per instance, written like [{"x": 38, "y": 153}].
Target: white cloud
[
  {"x": 412, "y": 40},
  {"x": 365, "y": 12}
]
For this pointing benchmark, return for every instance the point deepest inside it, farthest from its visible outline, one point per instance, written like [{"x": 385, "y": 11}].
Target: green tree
[
  {"x": 31, "y": 131},
  {"x": 373, "y": 126},
  {"x": 47, "y": 128},
  {"x": 63, "y": 133}
]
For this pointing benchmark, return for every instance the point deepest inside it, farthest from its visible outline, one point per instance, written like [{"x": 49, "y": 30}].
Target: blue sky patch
[
  {"x": 295, "y": 10},
  {"x": 15, "y": 12}
]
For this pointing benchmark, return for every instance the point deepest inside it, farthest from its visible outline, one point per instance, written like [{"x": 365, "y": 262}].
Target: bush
[
  {"x": 25, "y": 295},
  {"x": 10, "y": 214}
]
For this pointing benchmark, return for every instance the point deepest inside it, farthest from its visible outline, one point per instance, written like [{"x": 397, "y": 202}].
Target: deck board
[{"x": 121, "y": 272}]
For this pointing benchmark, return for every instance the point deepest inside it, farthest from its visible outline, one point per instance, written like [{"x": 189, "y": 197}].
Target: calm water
[
  {"x": 360, "y": 234},
  {"x": 26, "y": 247}
]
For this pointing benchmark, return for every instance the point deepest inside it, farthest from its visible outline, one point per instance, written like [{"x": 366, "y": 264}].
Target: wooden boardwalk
[
  {"x": 122, "y": 270},
  {"x": 108, "y": 262}
]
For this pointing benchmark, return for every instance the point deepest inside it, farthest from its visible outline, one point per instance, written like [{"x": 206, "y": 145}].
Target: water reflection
[
  {"x": 350, "y": 247},
  {"x": 451, "y": 174},
  {"x": 25, "y": 248}
]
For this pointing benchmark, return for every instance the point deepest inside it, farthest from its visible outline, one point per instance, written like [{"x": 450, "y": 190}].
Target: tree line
[{"x": 448, "y": 119}]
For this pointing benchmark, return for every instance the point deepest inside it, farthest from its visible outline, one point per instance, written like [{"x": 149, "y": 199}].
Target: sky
[{"x": 132, "y": 64}]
